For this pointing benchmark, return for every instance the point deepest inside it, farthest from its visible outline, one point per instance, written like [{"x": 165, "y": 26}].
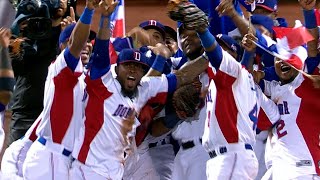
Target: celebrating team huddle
[{"x": 209, "y": 100}]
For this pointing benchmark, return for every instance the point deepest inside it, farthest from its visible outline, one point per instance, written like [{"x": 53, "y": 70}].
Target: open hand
[
  {"x": 5, "y": 35},
  {"x": 161, "y": 49},
  {"x": 68, "y": 20},
  {"x": 107, "y": 7},
  {"x": 307, "y": 4},
  {"x": 248, "y": 42}
]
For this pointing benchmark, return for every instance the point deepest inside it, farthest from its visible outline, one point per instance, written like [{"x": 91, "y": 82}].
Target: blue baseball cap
[
  {"x": 132, "y": 55},
  {"x": 270, "y": 5},
  {"x": 263, "y": 20},
  {"x": 153, "y": 24},
  {"x": 169, "y": 30},
  {"x": 232, "y": 44},
  {"x": 66, "y": 33}
]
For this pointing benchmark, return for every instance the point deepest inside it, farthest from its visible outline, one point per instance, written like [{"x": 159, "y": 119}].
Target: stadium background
[{"x": 137, "y": 11}]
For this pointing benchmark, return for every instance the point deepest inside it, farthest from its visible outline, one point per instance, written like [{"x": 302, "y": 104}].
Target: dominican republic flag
[
  {"x": 117, "y": 27},
  {"x": 117, "y": 21},
  {"x": 289, "y": 46}
]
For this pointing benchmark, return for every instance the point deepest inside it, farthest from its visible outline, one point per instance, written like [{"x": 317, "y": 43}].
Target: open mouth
[
  {"x": 84, "y": 53},
  {"x": 131, "y": 78},
  {"x": 285, "y": 68}
]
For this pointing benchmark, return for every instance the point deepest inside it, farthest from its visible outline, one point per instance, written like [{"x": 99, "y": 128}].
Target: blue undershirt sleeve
[
  {"x": 71, "y": 61},
  {"x": 100, "y": 60}
]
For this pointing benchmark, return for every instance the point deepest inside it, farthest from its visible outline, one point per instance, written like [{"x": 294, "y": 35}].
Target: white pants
[
  {"x": 259, "y": 150},
  {"x": 80, "y": 171},
  {"x": 162, "y": 158},
  {"x": 138, "y": 165},
  {"x": 42, "y": 163},
  {"x": 141, "y": 169},
  {"x": 237, "y": 165},
  {"x": 13, "y": 159},
  {"x": 190, "y": 164}
]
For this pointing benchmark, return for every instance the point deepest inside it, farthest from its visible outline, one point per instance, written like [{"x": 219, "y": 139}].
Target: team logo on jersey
[
  {"x": 283, "y": 108},
  {"x": 122, "y": 111}
]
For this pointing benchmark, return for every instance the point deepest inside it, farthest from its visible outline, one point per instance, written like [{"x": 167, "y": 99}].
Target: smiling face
[
  {"x": 129, "y": 75},
  {"x": 285, "y": 72},
  {"x": 191, "y": 44},
  {"x": 86, "y": 52}
]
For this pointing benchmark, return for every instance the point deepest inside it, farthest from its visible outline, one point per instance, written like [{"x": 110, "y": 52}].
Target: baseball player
[
  {"x": 190, "y": 161},
  {"x": 295, "y": 93},
  {"x": 49, "y": 155},
  {"x": 231, "y": 113},
  {"x": 296, "y": 97},
  {"x": 110, "y": 99},
  {"x": 155, "y": 29}
]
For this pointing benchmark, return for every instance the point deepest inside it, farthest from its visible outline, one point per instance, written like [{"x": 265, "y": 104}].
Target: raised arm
[
  {"x": 100, "y": 57},
  {"x": 160, "y": 54},
  {"x": 81, "y": 31},
  {"x": 6, "y": 73},
  {"x": 311, "y": 24},
  {"x": 226, "y": 8},
  {"x": 191, "y": 70}
]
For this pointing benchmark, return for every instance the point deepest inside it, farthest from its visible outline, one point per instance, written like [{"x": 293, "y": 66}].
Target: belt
[
  {"x": 64, "y": 151},
  {"x": 189, "y": 144},
  {"x": 224, "y": 149},
  {"x": 161, "y": 142}
]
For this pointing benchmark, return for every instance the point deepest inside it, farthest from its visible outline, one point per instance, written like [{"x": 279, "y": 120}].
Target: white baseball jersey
[
  {"x": 232, "y": 106},
  {"x": 31, "y": 132},
  {"x": 62, "y": 111},
  {"x": 100, "y": 144},
  {"x": 297, "y": 149}
]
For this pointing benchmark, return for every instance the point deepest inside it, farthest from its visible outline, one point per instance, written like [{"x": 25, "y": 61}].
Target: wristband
[
  {"x": 86, "y": 16},
  {"x": 310, "y": 19},
  {"x": 7, "y": 83},
  {"x": 158, "y": 63}
]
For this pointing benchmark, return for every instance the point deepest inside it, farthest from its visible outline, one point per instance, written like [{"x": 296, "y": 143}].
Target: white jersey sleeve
[
  {"x": 269, "y": 110},
  {"x": 152, "y": 89},
  {"x": 229, "y": 65}
]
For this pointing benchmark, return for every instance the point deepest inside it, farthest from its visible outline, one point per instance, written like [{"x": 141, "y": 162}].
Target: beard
[
  {"x": 130, "y": 94},
  {"x": 127, "y": 93}
]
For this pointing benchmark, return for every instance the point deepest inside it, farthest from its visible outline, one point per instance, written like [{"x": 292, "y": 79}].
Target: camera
[{"x": 36, "y": 15}]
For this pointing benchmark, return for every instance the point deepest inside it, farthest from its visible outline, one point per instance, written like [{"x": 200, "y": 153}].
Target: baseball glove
[
  {"x": 189, "y": 14},
  {"x": 186, "y": 99}
]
